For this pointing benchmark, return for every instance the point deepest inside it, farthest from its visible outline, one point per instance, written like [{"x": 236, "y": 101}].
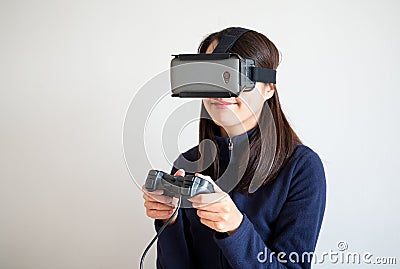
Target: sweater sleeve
[
  {"x": 296, "y": 230},
  {"x": 172, "y": 244}
]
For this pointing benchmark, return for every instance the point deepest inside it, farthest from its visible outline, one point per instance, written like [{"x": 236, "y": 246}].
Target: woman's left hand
[{"x": 217, "y": 210}]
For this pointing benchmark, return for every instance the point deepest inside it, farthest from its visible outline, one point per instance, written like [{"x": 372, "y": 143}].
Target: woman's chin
[{"x": 224, "y": 123}]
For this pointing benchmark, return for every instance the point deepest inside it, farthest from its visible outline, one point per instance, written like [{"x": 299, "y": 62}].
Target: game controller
[{"x": 177, "y": 186}]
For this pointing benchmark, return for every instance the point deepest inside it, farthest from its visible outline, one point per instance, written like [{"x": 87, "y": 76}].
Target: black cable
[{"x": 159, "y": 232}]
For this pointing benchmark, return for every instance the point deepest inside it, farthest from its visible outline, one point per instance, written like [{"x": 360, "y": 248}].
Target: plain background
[{"x": 68, "y": 70}]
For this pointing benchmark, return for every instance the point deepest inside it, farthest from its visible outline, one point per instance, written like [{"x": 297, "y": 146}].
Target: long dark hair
[{"x": 256, "y": 46}]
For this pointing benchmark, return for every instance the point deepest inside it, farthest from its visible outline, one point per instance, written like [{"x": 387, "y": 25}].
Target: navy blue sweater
[{"x": 283, "y": 216}]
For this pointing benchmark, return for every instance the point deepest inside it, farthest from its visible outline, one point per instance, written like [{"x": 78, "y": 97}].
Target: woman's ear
[{"x": 267, "y": 90}]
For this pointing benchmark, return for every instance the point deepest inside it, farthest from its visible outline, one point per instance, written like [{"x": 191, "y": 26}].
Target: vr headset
[{"x": 217, "y": 75}]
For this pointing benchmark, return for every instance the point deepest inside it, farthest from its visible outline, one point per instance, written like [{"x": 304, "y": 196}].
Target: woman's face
[{"x": 238, "y": 114}]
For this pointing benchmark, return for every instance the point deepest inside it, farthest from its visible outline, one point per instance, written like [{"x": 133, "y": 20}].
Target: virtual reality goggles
[{"x": 217, "y": 75}]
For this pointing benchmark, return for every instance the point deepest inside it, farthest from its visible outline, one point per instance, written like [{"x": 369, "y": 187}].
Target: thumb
[
  {"x": 180, "y": 172},
  {"x": 209, "y": 179}
]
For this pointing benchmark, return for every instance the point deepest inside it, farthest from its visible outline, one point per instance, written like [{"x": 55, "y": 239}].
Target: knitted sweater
[{"x": 280, "y": 227}]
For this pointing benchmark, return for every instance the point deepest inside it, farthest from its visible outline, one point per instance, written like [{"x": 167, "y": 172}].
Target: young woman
[{"x": 274, "y": 224}]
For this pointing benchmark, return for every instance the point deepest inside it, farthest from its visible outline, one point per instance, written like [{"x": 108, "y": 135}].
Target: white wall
[{"x": 68, "y": 70}]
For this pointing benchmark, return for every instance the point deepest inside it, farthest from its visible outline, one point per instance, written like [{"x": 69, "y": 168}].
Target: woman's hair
[{"x": 255, "y": 46}]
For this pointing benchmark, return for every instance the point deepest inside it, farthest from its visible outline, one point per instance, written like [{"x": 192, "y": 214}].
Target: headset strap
[
  {"x": 265, "y": 75},
  {"x": 227, "y": 41}
]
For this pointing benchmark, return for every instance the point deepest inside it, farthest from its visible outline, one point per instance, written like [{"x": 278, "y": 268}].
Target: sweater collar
[{"x": 237, "y": 138}]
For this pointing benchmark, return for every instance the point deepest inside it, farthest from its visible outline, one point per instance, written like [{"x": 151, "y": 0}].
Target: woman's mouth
[{"x": 222, "y": 104}]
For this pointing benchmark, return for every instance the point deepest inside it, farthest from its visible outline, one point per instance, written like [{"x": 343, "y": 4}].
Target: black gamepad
[{"x": 176, "y": 186}]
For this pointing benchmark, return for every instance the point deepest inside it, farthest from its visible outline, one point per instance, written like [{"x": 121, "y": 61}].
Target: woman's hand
[
  {"x": 159, "y": 206},
  {"x": 217, "y": 210}
]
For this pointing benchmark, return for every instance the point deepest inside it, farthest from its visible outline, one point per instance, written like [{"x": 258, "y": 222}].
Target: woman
[{"x": 272, "y": 225}]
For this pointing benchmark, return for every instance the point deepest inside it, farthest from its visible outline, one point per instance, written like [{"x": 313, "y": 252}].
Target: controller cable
[{"x": 159, "y": 232}]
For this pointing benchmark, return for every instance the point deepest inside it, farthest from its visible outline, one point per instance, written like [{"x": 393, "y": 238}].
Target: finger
[
  {"x": 180, "y": 172},
  {"x": 207, "y": 198},
  {"x": 157, "y": 206},
  {"x": 209, "y": 179},
  {"x": 217, "y": 226},
  {"x": 158, "y": 198},
  {"x": 211, "y": 216},
  {"x": 159, "y": 214},
  {"x": 217, "y": 207}
]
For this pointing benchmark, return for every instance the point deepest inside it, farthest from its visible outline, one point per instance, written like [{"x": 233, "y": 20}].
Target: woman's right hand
[{"x": 159, "y": 206}]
